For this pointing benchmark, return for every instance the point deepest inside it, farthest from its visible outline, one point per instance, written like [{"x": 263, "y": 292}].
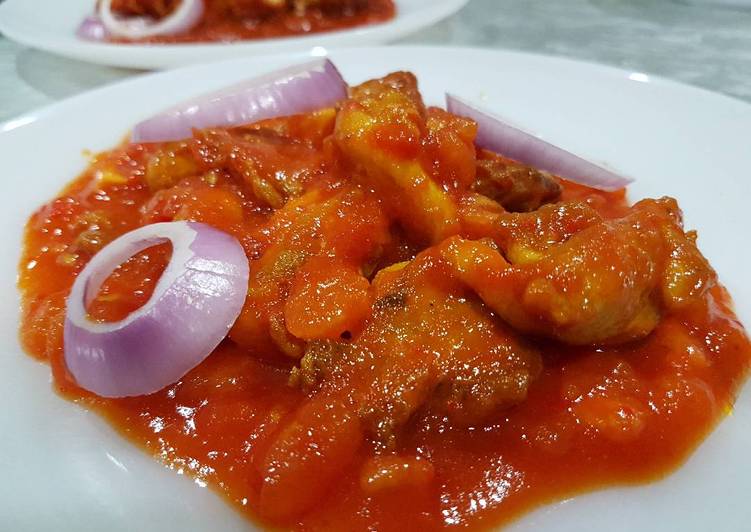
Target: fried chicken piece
[
  {"x": 686, "y": 274},
  {"x": 607, "y": 283},
  {"x": 430, "y": 345},
  {"x": 516, "y": 186},
  {"x": 263, "y": 157},
  {"x": 380, "y": 131},
  {"x": 323, "y": 239},
  {"x": 449, "y": 151},
  {"x": 525, "y": 237}
]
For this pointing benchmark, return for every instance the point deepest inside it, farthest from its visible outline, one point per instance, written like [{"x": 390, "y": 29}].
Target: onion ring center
[
  {"x": 130, "y": 285},
  {"x": 102, "y": 265}
]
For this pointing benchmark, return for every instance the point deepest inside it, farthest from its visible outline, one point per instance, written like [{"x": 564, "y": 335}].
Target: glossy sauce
[
  {"x": 595, "y": 416},
  {"x": 219, "y": 26}
]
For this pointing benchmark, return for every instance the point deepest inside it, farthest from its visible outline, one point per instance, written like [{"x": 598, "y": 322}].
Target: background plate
[
  {"x": 50, "y": 25},
  {"x": 65, "y": 469}
]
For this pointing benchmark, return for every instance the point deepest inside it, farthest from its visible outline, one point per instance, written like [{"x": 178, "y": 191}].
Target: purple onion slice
[
  {"x": 92, "y": 29},
  {"x": 194, "y": 304},
  {"x": 187, "y": 15},
  {"x": 294, "y": 90},
  {"x": 495, "y": 135}
]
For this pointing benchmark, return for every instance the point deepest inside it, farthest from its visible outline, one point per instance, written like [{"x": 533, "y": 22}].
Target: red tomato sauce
[
  {"x": 595, "y": 416},
  {"x": 223, "y": 22}
]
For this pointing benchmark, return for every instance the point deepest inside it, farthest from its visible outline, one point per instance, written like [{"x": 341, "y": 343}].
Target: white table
[{"x": 703, "y": 45}]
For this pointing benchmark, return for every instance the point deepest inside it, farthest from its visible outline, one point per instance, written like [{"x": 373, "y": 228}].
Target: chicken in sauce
[{"x": 425, "y": 320}]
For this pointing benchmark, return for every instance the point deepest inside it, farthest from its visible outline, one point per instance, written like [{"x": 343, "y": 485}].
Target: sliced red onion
[
  {"x": 92, "y": 29},
  {"x": 495, "y": 135},
  {"x": 298, "y": 89},
  {"x": 194, "y": 304},
  {"x": 182, "y": 19}
]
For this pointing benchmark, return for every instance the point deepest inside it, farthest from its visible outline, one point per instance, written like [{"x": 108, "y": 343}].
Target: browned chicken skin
[
  {"x": 305, "y": 228},
  {"x": 525, "y": 237},
  {"x": 608, "y": 282},
  {"x": 430, "y": 345},
  {"x": 515, "y": 186},
  {"x": 380, "y": 129}
]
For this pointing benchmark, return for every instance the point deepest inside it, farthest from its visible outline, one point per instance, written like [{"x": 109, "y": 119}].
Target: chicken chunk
[
  {"x": 306, "y": 278},
  {"x": 380, "y": 131},
  {"x": 517, "y": 187},
  {"x": 525, "y": 237},
  {"x": 607, "y": 283},
  {"x": 448, "y": 149},
  {"x": 264, "y": 158},
  {"x": 429, "y": 346},
  {"x": 686, "y": 274}
]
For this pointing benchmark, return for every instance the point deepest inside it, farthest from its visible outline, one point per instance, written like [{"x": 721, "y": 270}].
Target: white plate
[
  {"x": 65, "y": 469},
  {"x": 50, "y": 25}
]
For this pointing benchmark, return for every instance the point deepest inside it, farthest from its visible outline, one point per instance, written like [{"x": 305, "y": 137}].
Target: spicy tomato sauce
[
  {"x": 233, "y": 20},
  {"x": 366, "y": 368}
]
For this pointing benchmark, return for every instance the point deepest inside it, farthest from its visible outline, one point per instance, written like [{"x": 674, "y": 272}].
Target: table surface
[{"x": 695, "y": 42}]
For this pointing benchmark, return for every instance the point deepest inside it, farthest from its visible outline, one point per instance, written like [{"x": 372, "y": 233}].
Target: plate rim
[{"x": 39, "y": 112}]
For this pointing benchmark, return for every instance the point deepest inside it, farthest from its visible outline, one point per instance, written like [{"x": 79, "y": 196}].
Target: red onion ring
[
  {"x": 500, "y": 137},
  {"x": 294, "y": 90},
  {"x": 182, "y": 19},
  {"x": 92, "y": 29},
  {"x": 194, "y": 304}
]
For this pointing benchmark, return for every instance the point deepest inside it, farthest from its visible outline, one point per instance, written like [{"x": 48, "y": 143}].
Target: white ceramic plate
[
  {"x": 50, "y": 25},
  {"x": 64, "y": 469}
]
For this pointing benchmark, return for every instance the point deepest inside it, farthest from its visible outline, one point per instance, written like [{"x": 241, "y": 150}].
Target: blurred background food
[{"x": 701, "y": 42}]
